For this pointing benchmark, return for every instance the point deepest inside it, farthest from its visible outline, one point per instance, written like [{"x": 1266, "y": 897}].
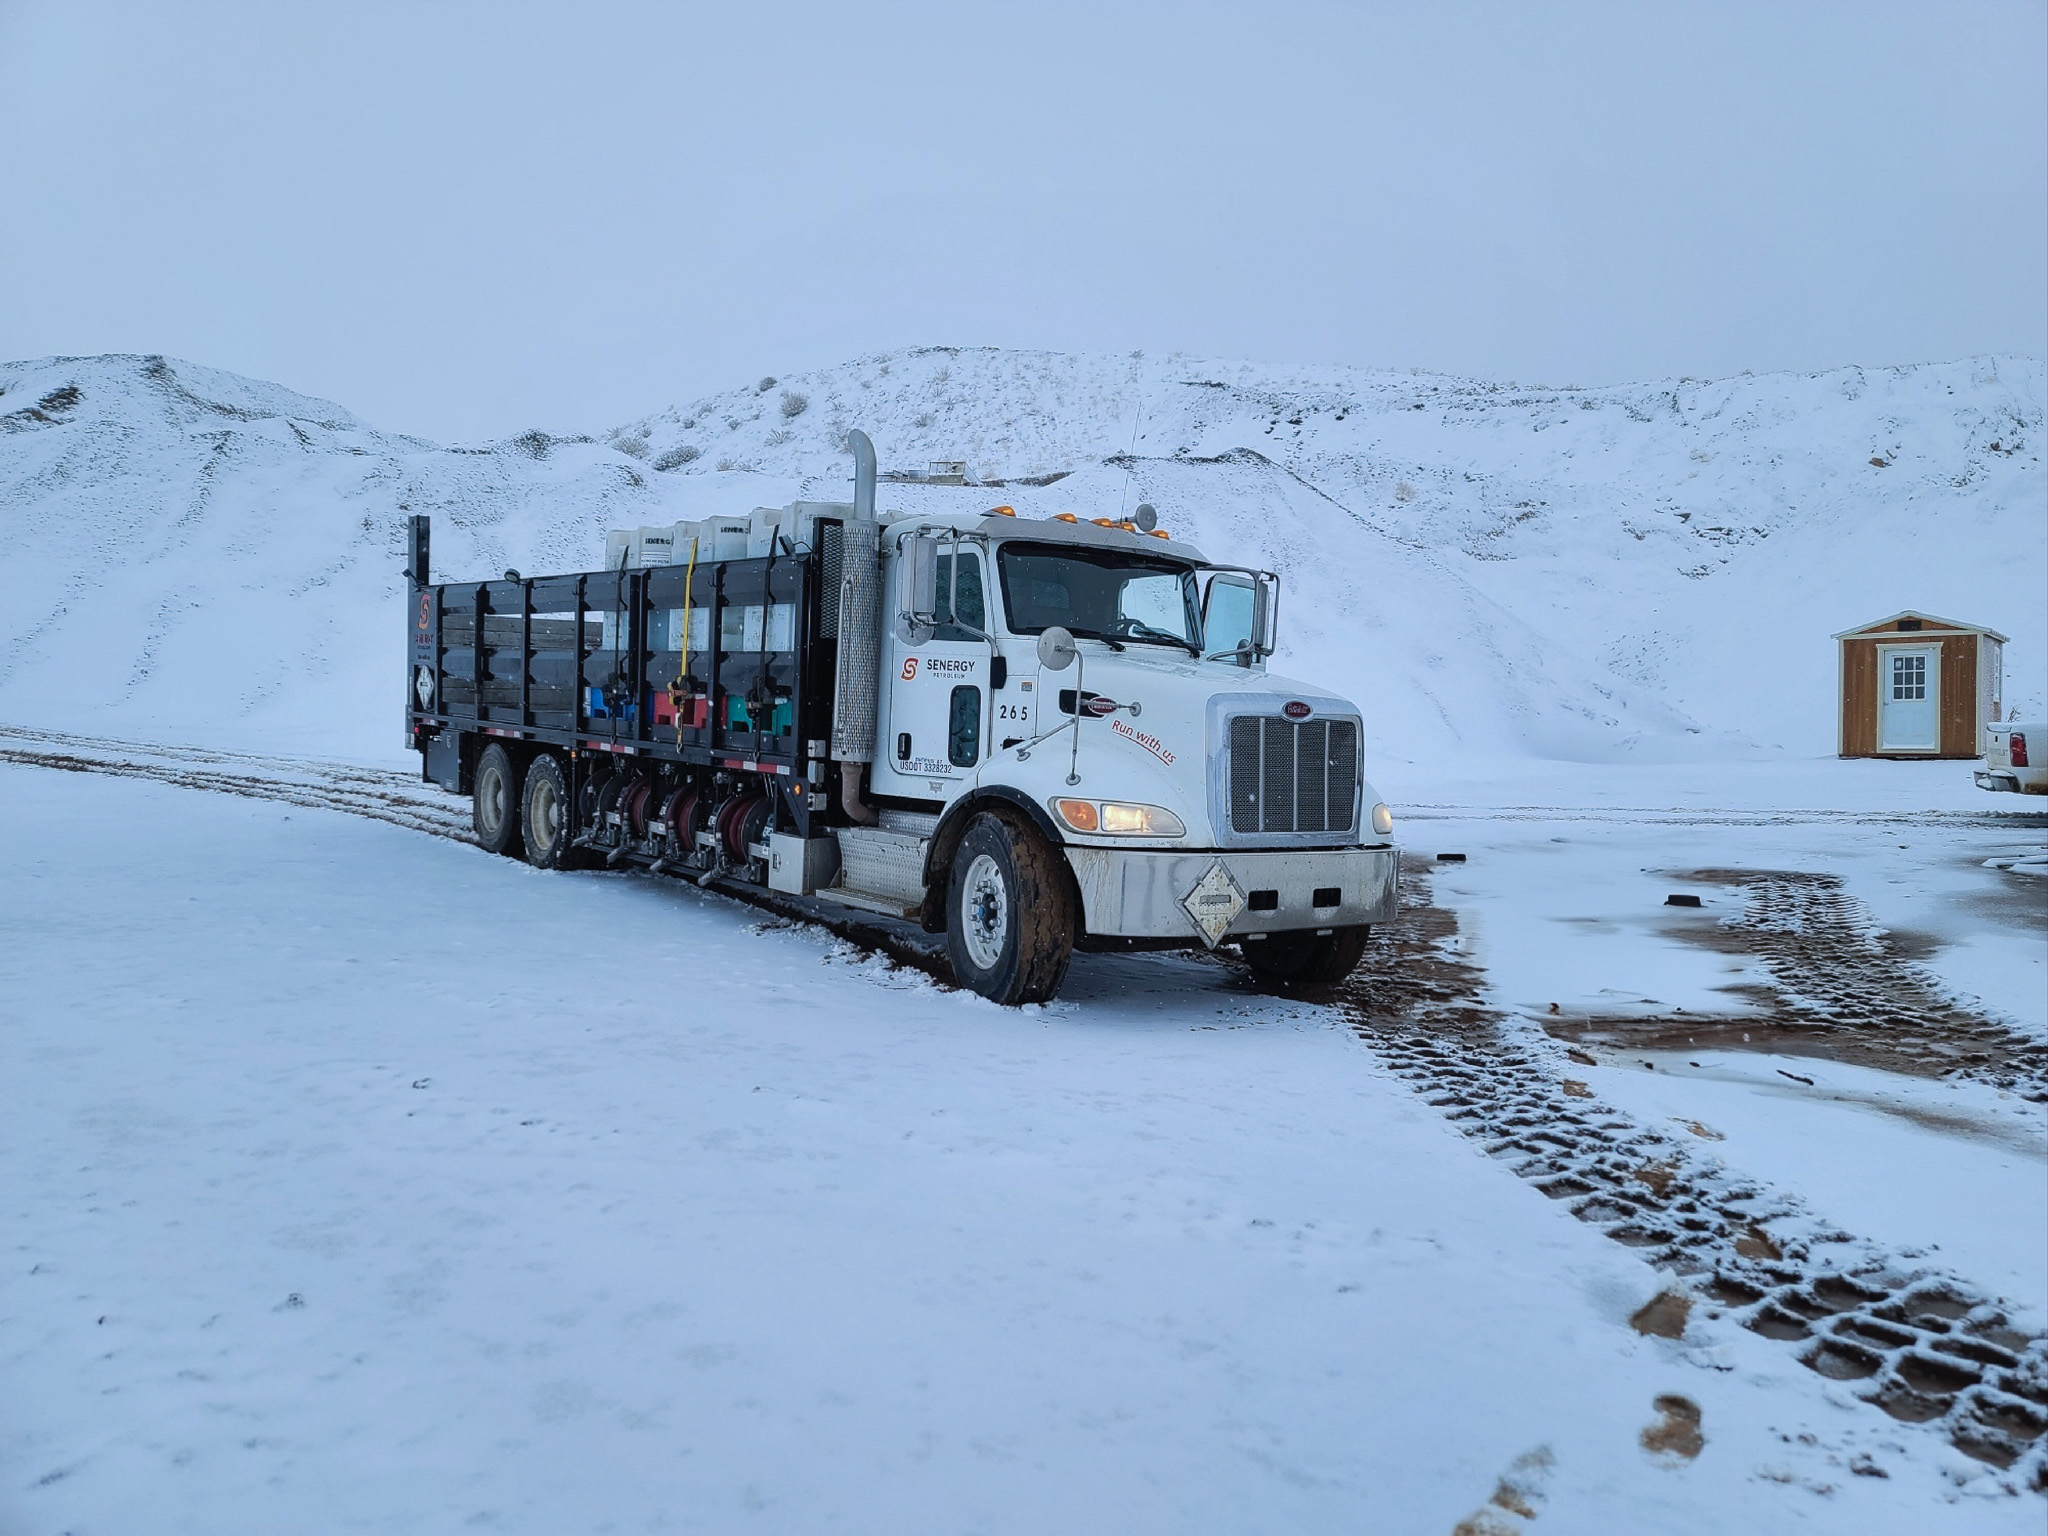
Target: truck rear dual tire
[
  {"x": 1306, "y": 957},
  {"x": 494, "y": 802},
  {"x": 1010, "y": 912},
  {"x": 546, "y": 815}
]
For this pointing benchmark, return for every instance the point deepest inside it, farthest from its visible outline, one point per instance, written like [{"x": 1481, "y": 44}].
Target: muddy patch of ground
[
  {"x": 1840, "y": 989},
  {"x": 1677, "y": 1430}
]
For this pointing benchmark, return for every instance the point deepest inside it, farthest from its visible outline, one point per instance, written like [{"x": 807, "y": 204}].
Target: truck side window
[
  {"x": 963, "y": 727},
  {"x": 973, "y": 612}
]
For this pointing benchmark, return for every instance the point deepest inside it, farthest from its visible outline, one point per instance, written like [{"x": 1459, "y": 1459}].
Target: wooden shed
[{"x": 1914, "y": 685}]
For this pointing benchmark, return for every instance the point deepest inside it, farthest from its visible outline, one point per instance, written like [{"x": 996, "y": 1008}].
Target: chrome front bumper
[{"x": 1132, "y": 893}]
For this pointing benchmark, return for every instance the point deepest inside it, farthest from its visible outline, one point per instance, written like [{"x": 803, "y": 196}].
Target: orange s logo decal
[{"x": 910, "y": 669}]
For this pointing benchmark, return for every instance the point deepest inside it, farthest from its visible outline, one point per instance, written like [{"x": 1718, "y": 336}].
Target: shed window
[{"x": 1909, "y": 677}]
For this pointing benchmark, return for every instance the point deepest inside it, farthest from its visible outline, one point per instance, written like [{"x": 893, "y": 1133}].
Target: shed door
[{"x": 1909, "y": 698}]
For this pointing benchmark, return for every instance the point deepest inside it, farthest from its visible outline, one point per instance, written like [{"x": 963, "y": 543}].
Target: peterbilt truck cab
[{"x": 1101, "y": 691}]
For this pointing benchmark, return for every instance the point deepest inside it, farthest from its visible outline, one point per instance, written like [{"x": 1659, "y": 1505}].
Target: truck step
[
  {"x": 890, "y": 864},
  {"x": 890, "y": 906}
]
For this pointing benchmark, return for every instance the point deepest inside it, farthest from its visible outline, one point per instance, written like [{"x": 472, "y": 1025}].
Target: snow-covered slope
[
  {"x": 193, "y": 553},
  {"x": 1643, "y": 572}
]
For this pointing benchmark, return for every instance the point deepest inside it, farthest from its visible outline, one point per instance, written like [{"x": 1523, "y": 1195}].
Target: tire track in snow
[
  {"x": 1910, "y": 1338},
  {"x": 401, "y": 800},
  {"x": 380, "y": 794}
]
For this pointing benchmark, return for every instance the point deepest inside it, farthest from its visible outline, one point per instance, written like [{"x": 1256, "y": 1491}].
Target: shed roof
[{"x": 1931, "y": 620}]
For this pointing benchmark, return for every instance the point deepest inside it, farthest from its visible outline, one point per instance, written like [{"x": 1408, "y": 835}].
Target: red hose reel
[{"x": 742, "y": 821}]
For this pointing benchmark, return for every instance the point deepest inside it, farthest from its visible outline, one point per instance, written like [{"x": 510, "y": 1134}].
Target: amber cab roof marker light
[
  {"x": 1002, "y": 511},
  {"x": 1065, "y": 517}
]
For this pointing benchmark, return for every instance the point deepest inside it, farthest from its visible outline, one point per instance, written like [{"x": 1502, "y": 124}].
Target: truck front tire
[
  {"x": 546, "y": 815},
  {"x": 1009, "y": 912},
  {"x": 1306, "y": 957},
  {"x": 494, "y": 802}
]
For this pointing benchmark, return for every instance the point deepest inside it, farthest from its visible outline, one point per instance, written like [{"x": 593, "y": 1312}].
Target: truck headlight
[
  {"x": 1382, "y": 819},
  {"x": 1119, "y": 818}
]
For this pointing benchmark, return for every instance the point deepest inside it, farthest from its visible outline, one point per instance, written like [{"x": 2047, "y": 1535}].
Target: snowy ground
[{"x": 343, "y": 1181}]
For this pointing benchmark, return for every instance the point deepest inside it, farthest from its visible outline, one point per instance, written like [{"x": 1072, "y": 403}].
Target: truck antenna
[{"x": 1131, "y": 458}]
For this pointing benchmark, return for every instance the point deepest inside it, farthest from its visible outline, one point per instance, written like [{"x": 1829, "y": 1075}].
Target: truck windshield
[{"x": 1101, "y": 593}]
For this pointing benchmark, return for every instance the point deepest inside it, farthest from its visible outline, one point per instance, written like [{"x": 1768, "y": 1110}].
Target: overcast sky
[{"x": 463, "y": 221}]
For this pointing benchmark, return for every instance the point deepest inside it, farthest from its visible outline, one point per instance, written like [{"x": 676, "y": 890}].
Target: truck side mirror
[
  {"x": 1264, "y": 619},
  {"x": 1055, "y": 648},
  {"x": 917, "y": 582},
  {"x": 1230, "y": 614}
]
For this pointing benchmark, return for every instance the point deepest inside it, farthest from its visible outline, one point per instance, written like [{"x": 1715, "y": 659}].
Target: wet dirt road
[{"x": 1840, "y": 989}]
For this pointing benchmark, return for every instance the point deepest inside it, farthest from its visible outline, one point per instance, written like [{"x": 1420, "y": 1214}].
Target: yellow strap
[{"x": 675, "y": 692}]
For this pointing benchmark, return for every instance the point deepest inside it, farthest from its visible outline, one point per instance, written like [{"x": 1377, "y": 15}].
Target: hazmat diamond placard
[{"x": 1214, "y": 903}]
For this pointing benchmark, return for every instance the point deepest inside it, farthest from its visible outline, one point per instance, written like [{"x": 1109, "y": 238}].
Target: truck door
[{"x": 935, "y": 726}]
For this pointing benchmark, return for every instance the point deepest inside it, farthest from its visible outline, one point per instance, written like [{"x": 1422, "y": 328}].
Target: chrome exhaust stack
[{"x": 857, "y": 679}]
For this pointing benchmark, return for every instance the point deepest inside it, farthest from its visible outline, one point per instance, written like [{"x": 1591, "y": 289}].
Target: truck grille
[{"x": 1288, "y": 776}]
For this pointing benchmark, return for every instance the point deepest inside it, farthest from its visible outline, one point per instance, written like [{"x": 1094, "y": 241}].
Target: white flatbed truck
[{"x": 1031, "y": 734}]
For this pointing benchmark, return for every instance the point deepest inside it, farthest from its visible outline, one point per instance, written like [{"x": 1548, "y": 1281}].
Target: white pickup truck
[{"x": 2015, "y": 757}]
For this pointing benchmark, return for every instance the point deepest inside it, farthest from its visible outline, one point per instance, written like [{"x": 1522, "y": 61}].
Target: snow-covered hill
[
  {"x": 1578, "y": 572},
  {"x": 202, "y": 555},
  {"x": 1641, "y": 572}
]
